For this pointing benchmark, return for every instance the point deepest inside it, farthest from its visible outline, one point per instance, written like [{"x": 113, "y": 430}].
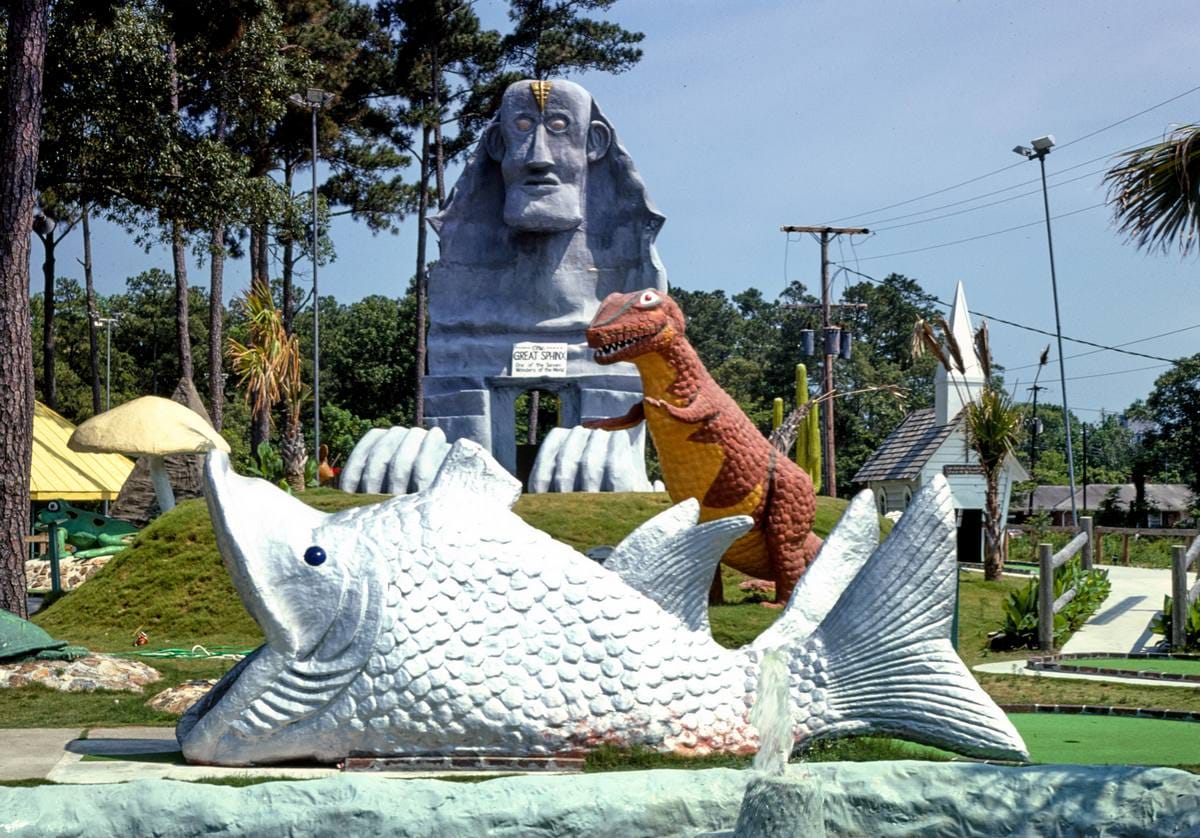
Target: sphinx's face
[{"x": 544, "y": 153}]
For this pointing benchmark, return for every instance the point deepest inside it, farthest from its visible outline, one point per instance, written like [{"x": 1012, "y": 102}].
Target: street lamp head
[
  {"x": 1043, "y": 144},
  {"x": 1023, "y": 150},
  {"x": 311, "y": 98}
]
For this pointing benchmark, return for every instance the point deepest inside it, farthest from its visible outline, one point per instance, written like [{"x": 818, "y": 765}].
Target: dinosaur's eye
[
  {"x": 315, "y": 555},
  {"x": 649, "y": 299}
]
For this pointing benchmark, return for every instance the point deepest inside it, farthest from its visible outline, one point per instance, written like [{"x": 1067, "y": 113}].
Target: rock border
[
  {"x": 1060, "y": 663},
  {"x": 1103, "y": 710}
]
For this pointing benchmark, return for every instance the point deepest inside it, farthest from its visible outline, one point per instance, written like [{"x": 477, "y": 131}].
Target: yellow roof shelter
[{"x": 59, "y": 472}]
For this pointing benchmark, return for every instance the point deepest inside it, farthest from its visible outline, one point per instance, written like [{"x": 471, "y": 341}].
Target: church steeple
[{"x": 952, "y": 390}]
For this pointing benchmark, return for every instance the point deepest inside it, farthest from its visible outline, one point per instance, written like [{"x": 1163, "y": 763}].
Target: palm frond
[
  {"x": 1153, "y": 191},
  {"x": 983, "y": 350},
  {"x": 952, "y": 345}
]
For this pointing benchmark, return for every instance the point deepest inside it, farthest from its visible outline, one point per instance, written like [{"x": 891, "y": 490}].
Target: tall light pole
[
  {"x": 107, "y": 323},
  {"x": 1041, "y": 147},
  {"x": 315, "y": 100}
]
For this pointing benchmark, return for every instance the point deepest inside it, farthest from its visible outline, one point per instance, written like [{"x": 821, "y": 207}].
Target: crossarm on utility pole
[{"x": 826, "y": 233}]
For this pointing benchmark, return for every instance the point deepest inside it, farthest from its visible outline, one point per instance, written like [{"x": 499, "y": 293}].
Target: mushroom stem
[{"x": 162, "y": 484}]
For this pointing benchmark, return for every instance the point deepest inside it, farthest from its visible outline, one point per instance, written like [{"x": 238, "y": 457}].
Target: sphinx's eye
[
  {"x": 557, "y": 124},
  {"x": 315, "y": 555},
  {"x": 649, "y": 299},
  {"x": 523, "y": 123}
]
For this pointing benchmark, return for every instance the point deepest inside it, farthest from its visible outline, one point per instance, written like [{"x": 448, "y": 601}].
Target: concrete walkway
[
  {"x": 146, "y": 753},
  {"x": 1122, "y": 623}
]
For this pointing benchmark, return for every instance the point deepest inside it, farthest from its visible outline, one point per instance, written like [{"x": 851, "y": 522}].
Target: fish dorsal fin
[
  {"x": 839, "y": 560},
  {"x": 469, "y": 468},
  {"x": 671, "y": 559}
]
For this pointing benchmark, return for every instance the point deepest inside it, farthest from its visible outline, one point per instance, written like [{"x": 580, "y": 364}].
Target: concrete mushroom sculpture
[{"x": 151, "y": 426}]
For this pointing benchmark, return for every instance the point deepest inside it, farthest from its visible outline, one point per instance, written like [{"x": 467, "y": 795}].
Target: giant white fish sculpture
[{"x": 440, "y": 624}]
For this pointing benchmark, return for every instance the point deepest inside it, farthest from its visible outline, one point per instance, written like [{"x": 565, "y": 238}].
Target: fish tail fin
[{"x": 881, "y": 659}]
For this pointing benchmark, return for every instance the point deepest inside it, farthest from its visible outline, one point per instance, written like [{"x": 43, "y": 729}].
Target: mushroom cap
[{"x": 147, "y": 425}]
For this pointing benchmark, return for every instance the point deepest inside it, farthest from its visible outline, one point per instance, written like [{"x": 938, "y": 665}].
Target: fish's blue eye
[{"x": 315, "y": 555}]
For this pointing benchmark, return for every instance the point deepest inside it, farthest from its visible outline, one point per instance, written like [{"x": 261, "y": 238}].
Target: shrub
[
  {"x": 270, "y": 467},
  {"x": 1164, "y": 621},
  {"x": 1019, "y": 629}
]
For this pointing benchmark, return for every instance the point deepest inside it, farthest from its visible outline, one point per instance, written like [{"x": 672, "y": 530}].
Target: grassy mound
[{"x": 172, "y": 585}]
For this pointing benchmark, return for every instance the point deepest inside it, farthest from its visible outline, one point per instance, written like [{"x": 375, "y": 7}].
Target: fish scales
[
  {"x": 442, "y": 624},
  {"x": 615, "y": 692}
]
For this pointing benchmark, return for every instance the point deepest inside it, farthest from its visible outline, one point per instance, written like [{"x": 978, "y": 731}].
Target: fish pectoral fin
[
  {"x": 671, "y": 559},
  {"x": 471, "y": 469},
  {"x": 292, "y": 697}
]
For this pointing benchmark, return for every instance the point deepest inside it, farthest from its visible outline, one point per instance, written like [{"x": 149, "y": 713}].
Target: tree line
[
  {"x": 176, "y": 119},
  {"x": 749, "y": 343},
  {"x": 186, "y": 121}
]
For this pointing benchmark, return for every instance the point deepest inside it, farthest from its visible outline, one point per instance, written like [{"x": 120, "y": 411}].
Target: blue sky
[{"x": 746, "y": 116}]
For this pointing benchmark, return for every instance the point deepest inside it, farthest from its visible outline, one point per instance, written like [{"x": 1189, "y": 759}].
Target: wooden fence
[
  {"x": 1048, "y": 562},
  {"x": 1181, "y": 597},
  {"x": 1190, "y": 537}
]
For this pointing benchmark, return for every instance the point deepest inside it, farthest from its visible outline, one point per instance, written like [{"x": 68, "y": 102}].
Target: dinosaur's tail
[{"x": 878, "y": 654}]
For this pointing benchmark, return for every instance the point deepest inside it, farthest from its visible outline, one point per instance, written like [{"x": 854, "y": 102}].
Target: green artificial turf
[
  {"x": 1174, "y": 666},
  {"x": 1077, "y": 739}
]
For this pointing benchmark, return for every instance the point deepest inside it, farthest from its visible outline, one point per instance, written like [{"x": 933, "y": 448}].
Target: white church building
[{"x": 933, "y": 441}]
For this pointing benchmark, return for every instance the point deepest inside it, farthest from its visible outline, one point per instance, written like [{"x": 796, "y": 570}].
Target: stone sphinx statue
[{"x": 548, "y": 218}]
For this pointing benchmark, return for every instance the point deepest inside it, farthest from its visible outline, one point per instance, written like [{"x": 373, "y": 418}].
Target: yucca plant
[
  {"x": 1154, "y": 192},
  {"x": 1163, "y": 621},
  {"x": 268, "y": 366}
]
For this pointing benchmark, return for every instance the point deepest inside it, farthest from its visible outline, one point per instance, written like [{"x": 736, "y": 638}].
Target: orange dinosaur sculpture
[{"x": 709, "y": 449}]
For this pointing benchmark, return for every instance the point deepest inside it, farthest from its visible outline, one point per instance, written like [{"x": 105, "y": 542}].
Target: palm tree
[
  {"x": 1154, "y": 190},
  {"x": 269, "y": 368},
  {"x": 992, "y": 424}
]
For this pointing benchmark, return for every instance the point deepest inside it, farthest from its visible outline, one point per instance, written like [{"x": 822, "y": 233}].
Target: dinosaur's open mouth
[{"x": 620, "y": 346}]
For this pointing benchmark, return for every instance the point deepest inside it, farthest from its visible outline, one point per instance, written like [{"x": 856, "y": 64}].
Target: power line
[
  {"x": 1014, "y": 165},
  {"x": 1114, "y": 372},
  {"x": 981, "y": 235},
  {"x": 1037, "y": 191},
  {"x": 1142, "y": 112},
  {"x": 1116, "y": 346},
  {"x": 1108, "y": 155},
  {"x": 1099, "y": 346}
]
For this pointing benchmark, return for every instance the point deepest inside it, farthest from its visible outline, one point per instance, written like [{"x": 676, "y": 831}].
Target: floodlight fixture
[
  {"x": 311, "y": 98},
  {"x": 1043, "y": 144}
]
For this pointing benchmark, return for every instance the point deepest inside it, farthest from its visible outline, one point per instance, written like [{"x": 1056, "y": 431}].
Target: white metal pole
[
  {"x": 1062, "y": 371},
  {"x": 316, "y": 238}
]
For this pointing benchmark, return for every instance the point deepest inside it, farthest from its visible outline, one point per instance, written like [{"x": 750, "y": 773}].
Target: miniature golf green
[
  {"x": 1080, "y": 740},
  {"x": 1172, "y": 666}
]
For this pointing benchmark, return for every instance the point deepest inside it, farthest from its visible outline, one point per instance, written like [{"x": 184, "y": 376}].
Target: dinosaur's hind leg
[{"x": 791, "y": 544}]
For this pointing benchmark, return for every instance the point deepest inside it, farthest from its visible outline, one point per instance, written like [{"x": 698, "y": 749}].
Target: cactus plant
[{"x": 808, "y": 435}]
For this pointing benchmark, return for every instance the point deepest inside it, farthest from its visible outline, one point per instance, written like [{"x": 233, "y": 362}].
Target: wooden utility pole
[{"x": 826, "y": 234}]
